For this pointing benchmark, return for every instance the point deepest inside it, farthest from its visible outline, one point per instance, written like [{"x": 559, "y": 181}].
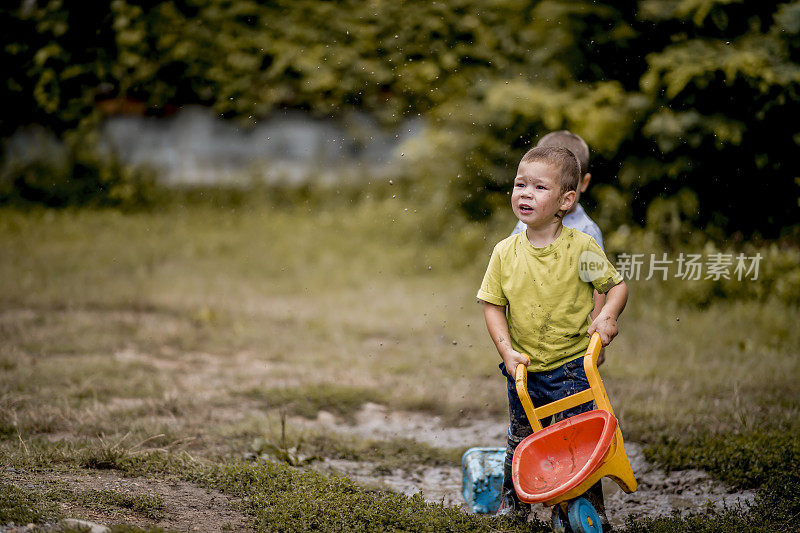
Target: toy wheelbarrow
[{"x": 557, "y": 464}]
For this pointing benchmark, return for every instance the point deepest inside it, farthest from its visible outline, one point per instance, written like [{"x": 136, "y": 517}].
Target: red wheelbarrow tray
[{"x": 563, "y": 460}]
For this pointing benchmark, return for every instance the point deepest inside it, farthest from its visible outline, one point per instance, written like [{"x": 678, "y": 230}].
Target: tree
[{"x": 683, "y": 102}]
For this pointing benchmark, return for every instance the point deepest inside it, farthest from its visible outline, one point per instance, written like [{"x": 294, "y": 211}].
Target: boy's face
[{"x": 537, "y": 197}]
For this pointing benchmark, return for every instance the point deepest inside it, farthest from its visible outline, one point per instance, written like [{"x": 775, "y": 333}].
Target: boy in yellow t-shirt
[{"x": 537, "y": 298}]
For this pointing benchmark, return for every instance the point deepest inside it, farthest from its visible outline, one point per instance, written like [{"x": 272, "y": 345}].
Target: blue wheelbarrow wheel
[
  {"x": 583, "y": 517},
  {"x": 558, "y": 520}
]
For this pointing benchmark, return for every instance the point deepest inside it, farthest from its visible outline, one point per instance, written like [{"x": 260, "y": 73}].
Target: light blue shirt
[{"x": 579, "y": 220}]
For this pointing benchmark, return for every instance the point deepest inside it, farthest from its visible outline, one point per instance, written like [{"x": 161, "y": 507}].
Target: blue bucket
[{"x": 482, "y": 478}]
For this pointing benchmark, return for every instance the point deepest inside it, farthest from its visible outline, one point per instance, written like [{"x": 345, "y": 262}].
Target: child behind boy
[{"x": 537, "y": 302}]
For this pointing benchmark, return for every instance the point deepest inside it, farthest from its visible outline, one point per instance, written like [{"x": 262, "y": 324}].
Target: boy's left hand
[{"x": 606, "y": 326}]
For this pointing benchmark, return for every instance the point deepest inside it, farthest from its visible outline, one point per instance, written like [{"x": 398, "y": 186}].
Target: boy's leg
[
  {"x": 518, "y": 429},
  {"x": 595, "y": 497}
]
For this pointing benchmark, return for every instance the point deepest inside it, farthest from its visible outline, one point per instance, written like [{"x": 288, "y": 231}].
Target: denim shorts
[{"x": 544, "y": 387}]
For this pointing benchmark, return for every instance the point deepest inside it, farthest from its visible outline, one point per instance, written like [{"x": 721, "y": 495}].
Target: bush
[
  {"x": 777, "y": 276},
  {"x": 77, "y": 173}
]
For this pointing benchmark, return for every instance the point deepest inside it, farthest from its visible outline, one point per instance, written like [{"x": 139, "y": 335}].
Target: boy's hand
[
  {"x": 606, "y": 326},
  {"x": 513, "y": 358}
]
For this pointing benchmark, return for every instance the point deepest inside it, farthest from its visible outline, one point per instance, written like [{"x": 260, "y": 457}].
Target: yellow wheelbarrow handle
[{"x": 596, "y": 390}]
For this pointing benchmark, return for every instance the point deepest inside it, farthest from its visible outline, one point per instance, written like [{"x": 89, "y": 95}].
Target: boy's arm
[
  {"x": 605, "y": 323},
  {"x": 498, "y": 329},
  {"x": 599, "y": 300}
]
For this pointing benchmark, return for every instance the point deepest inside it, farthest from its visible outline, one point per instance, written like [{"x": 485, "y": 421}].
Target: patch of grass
[
  {"x": 150, "y": 506},
  {"x": 103, "y": 457},
  {"x": 768, "y": 461},
  {"x": 21, "y": 506},
  {"x": 746, "y": 460},
  {"x": 396, "y": 453},
  {"x": 147, "y": 505},
  {"x": 775, "y": 510},
  {"x": 298, "y": 448},
  {"x": 281, "y": 498},
  {"x": 307, "y": 401}
]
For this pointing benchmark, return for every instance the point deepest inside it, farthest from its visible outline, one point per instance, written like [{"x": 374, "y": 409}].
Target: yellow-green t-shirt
[{"x": 548, "y": 293}]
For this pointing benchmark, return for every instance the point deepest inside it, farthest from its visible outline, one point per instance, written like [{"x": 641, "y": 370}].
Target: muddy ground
[
  {"x": 659, "y": 493},
  {"x": 190, "y": 508}
]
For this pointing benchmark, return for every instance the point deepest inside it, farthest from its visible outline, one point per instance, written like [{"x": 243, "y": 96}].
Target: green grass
[
  {"x": 21, "y": 506},
  {"x": 147, "y": 505},
  {"x": 187, "y": 330}
]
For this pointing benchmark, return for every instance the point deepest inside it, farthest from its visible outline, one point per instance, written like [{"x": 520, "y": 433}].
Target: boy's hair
[
  {"x": 560, "y": 158},
  {"x": 570, "y": 141}
]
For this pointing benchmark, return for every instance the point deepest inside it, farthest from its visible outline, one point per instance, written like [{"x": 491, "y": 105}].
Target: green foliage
[
  {"x": 699, "y": 107},
  {"x": 281, "y": 449},
  {"x": 58, "y": 60},
  {"x": 80, "y": 173},
  {"x": 771, "y": 271},
  {"x": 669, "y": 95}
]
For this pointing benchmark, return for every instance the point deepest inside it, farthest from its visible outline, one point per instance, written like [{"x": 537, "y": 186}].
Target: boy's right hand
[{"x": 513, "y": 358}]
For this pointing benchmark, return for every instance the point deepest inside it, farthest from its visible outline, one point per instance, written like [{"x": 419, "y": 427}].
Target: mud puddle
[{"x": 659, "y": 493}]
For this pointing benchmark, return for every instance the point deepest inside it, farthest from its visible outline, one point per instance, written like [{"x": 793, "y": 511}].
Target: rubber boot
[{"x": 510, "y": 505}]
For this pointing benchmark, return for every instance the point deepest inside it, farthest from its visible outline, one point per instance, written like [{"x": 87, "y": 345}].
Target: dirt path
[
  {"x": 659, "y": 493},
  {"x": 186, "y": 506}
]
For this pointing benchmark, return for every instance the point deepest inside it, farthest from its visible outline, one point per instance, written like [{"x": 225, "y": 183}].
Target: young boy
[
  {"x": 537, "y": 299},
  {"x": 576, "y": 217}
]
